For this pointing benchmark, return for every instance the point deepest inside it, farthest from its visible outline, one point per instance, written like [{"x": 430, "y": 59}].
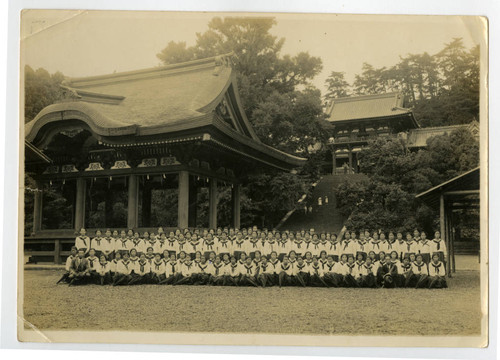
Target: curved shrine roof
[{"x": 158, "y": 101}]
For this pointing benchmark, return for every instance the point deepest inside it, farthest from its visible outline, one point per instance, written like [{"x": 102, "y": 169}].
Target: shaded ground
[{"x": 452, "y": 311}]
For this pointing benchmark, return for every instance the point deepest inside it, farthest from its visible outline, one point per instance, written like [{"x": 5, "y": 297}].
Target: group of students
[{"x": 253, "y": 257}]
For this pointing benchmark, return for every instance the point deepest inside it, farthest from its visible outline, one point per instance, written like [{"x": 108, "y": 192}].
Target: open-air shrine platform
[{"x": 120, "y": 143}]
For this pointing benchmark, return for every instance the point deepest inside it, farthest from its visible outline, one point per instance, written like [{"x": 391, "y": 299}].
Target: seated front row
[{"x": 385, "y": 271}]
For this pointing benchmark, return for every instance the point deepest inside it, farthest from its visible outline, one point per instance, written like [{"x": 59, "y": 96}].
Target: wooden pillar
[
  {"x": 183, "y": 200},
  {"x": 108, "y": 206},
  {"x": 212, "y": 209},
  {"x": 334, "y": 161},
  {"x": 452, "y": 241},
  {"x": 447, "y": 239},
  {"x": 193, "y": 201},
  {"x": 37, "y": 207},
  {"x": 236, "y": 201},
  {"x": 133, "y": 202},
  {"x": 146, "y": 206},
  {"x": 80, "y": 203},
  {"x": 57, "y": 251},
  {"x": 350, "y": 160}
]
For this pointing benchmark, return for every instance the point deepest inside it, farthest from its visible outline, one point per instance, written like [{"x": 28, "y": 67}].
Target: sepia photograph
[{"x": 253, "y": 179}]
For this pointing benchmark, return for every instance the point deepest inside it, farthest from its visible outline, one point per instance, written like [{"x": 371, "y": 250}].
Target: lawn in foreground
[{"x": 452, "y": 311}]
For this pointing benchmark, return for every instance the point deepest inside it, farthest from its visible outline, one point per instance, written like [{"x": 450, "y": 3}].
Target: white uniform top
[
  {"x": 329, "y": 267},
  {"x": 359, "y": 265},
  {"x": 68, "y": 262},
  {"x": 348, "y": 247},
  {"x": 286, "y": 268},
  {"x": 340, "y": 268},
  {"x": 160, "y": 246},
  {"x": 149, "y": 243},
  {"x": 410, "y": 247},
  {"x": 366, "y": 270},
  {"x": 351, "y": 269},
  {"x": 183, "y": 246},
  {"x": 363, "y": 246},
  {"x": 216, "y": 269},
  {"x": 108, "y": 245},
  {"x": 201, "y": 268},
  {"x": 266, "y": 268},
  {"x": 224, "y": 246},
  {"x": 253, "y": 245},
  {"x": 425, "y": 246},
  {"x": 208, "y": 246},
  {"x": 400, "y": 247},
  {"x": 123, "y": 244},
  {"x": 112, "y": 265},
  {"x": 139, "y": 245},
  {"x": 438, "y": 246},
  {"x": 142, "y": 268},
  {"x": 232, "y": 269},
  {"x": 316, "y": 269},
  {"x": 333, "y": 248},
  {"x": 93, "y": 262},
  {"x": 419, "y": 269},
  {"x": 377, "y": 246},
  {"x": 249, "y": 270},
  {"x": 275, "y": 266},
  {"x": 172, "y": 245},
  {"x": 171, "y": 268},
  {"x": 103, "y": 269},
  {"x": 388, "y": 246},
  {"x": 97, "y": 243},
  {"x": 188, "y": 269},
  {"x": 239, "y": 245},
  {"x": 298, "y": 246},
  {"x": 158, "y": 267},
  {"x": 437, "y": 270},
  {"x": 284, "y": 247},
  {"x": 269, "y": 247},
  {"x": 124, "y": 267},
  {"x": 306, "y": 246},
  {"x": 83, "y": 242},
  {"x": 298, "y": 268},
  {"x": 315, "y": 248}
]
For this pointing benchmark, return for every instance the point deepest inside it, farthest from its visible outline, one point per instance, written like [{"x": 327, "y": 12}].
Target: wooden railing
[{"x": 54, "y": 250}]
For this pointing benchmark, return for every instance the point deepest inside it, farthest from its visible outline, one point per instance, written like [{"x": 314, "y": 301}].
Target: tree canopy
[
  {"x": 275, "y": 89},
  {"x": 386, "y": 199},
  {"x": 278, "y": 98},
  {"x": 41, "y": 90},
  {"x": 443, "y": 88}
]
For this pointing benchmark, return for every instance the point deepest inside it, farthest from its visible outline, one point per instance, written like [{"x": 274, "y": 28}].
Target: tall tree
[
  {"x": 336, "y": 86},
  {"x": 276, "y": 95},
  {"x": 41, "y": 90},
  {"x": 371, "y": 80},
  {"x": 260, "y": 68}
]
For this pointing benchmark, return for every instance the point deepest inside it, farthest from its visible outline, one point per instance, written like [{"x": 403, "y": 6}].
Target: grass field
[{"x": 452, "y": 311}]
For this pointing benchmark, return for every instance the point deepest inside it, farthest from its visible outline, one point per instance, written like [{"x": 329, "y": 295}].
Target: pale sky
[{"x": 86, "y": 43}]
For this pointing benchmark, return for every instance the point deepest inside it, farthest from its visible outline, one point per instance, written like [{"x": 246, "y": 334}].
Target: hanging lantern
[
  {"x": 147, "y": 176},
  {"x": 164, "y": 176}
]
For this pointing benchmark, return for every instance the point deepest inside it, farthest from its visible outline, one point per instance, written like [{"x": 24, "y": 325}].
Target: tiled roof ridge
[
  {"x": 198, "y": 64},
  {"x": 368, "y": 96}
]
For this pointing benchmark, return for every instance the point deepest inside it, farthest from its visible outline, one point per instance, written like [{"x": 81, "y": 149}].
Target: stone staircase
[{"x": 325, "y": 217}]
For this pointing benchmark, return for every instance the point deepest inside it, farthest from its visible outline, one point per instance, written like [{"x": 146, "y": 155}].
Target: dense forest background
[{"x": 288, "y": 112}]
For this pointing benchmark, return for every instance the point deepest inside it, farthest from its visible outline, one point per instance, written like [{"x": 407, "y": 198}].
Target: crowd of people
[{"x": 253, "y": 257}]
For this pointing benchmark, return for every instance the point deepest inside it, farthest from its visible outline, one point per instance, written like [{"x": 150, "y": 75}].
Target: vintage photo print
[{"x": 253, "y": 179}]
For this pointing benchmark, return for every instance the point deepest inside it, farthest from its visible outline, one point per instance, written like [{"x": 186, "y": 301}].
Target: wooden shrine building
[
  {"x": 452, "y": 196},
  {"x": 358, "y": 119},
  {"x": 134, "y": 150}
]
